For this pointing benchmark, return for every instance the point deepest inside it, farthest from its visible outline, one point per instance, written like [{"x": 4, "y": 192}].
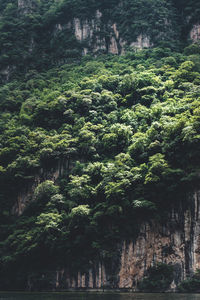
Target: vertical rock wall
[
  {"x": 175, "y": 242},
  {"x": 91, "y": 34}
]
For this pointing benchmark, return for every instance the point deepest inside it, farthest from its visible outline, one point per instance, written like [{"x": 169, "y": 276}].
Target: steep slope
[
  {"x": 96, "y": 155},
  {"x": 41, "y": 34},
  {"x": 99, "y": 144},
  {"x": 159, "y": 259}
]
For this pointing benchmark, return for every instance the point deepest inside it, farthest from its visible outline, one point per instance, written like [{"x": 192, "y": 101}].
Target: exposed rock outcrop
[
  {"x": 195, "y": 33},
  {"x": 89, "y": 33},
  {"x": 25, "y": 6},
  {"x": 142, "y": 42},
  {"x": 174, "y": 242}
]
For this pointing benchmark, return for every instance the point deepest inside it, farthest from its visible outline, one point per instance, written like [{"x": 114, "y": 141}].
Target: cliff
[
  {"x": 98, "y": 156},
  {"x": 174, "y": 242},
  {"x": 89, "y": 32},
  {"x": 58, "y": 31}
]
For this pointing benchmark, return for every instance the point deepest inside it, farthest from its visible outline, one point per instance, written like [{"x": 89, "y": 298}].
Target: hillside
[
  {"x": 40, "y": 34},
  {"x": 99, "y": 145},
  {"x": 90, "y": 151}
]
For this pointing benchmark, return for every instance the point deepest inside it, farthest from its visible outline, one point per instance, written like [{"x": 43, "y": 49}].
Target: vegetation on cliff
[
  {"x": 158, "y": 279},
  {"x": 191, "y": 285},
  {"x": 92, "y": 147},
  {"x": 126, "y": 131},
  {"x": 40, "y": 34}
]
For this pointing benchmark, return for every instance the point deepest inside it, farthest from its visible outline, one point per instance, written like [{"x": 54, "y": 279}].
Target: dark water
[{"x": 99, "y": 296}]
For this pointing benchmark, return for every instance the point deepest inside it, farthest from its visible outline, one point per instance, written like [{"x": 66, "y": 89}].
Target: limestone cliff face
[
  {"x": 66, "y": 34},
  {"x": 112, "y": 42},
  {"x": 175, "y": 242},
  {"x": 94, "y": 35},
  {"x": 25, "y": 6},
  {"x": 195, "y": 33}
]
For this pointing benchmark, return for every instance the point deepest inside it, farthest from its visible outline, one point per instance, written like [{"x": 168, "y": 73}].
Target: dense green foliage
[
  {"x": 126, "y": 131},
  {"x": 191, "y": 285},
  {"x": 158, "y": 278},
  {"x": 36, "y": 34}
]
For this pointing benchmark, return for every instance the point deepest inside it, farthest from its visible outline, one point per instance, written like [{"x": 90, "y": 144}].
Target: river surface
[{"x": 96, "y": 296}]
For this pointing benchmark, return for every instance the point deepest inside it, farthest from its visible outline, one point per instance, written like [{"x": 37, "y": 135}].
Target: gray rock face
[
  {"x": 90, "y": 31},
  {"x": 92, "y": 34},
  {"x": 25, "y": 6},
  {"x": 195, "y": 33}
]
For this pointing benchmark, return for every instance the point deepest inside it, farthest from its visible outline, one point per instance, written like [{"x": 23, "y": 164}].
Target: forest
[
  {"x": 126, "y": 131},
  {"x": 30, "y": 39},
  {"x": 94, "y": 145}
]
